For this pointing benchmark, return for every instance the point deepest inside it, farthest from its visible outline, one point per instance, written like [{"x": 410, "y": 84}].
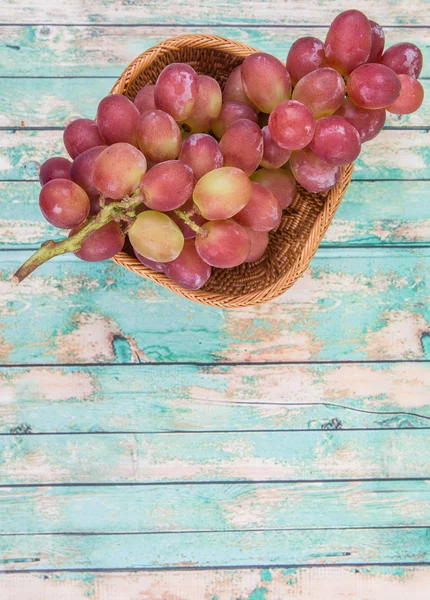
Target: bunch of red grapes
[{"x": 214, "y": 170}]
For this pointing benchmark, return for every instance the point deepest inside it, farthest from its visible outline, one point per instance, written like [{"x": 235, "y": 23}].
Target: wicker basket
[{"x": 304, "y": 222}]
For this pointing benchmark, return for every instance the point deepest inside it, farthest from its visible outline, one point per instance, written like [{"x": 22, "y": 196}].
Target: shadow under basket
[{"x": 304, "y": 222}]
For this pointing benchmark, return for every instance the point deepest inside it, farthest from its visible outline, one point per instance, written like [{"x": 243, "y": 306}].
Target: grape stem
[
  {"x": 49, "y": 249},
  {"x": 186, "y": 218}
]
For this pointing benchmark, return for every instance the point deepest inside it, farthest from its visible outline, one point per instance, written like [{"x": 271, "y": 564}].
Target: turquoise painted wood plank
[
  {"x": 211, "y": 457},
  {"x": 54, "y": 102},
  {"x": 372, "y": 213},
  {"x": 327, "y": 583},
  {"x": 44, "y": 50},
  {"x": 222, "y": 507},
  {"x": 403, "y": 154},
  {"x": 257, "y": 548},
  {"x": 243, "y": 11},
  {"x": 351, "y": 304},
  {"x": 210, "y": 398}
]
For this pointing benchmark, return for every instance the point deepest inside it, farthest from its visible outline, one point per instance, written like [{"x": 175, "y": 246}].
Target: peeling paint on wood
[
  {"x": 352, "y": 304},
  {"x": 192, "y": 398},
  {"x": 239, "y": 456},
  {"x": 209, "y": 507},
  {"x": 360, "y": 583},
  {"x": 51, "y": 50}
]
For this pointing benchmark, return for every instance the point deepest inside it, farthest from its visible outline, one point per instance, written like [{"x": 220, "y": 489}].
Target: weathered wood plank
[
  {"x": 211, "y": 398},
  {"x": 250, "y": 548},
  {"x": 390, "y": 12},
  {"x": 352, "y": 304},
  {"x": 222, "y": 507},
  {"x": 361, "y": 583},
  {"x": 379, "y": 212},
  {"x": 212, "y": 457},
  {"x": 403, "y": 154},
  {"x": 54, "y": 102},
  {"x": 44, "y": 50}
]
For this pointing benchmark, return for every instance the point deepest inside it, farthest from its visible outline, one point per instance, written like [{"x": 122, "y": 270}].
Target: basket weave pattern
[{"x": 304, "y": 222}]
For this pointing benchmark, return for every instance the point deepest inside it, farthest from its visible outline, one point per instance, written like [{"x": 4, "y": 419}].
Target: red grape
[
  {"x": 117, "y": 119},
  {"x": 222, "y": 193},
  {"x": 195, "y": 218},
  {"x": 336, "y": 141},
  {"x": 152, "y": 264},
  {"x": 280, "y": 182},
  {"x": 176, "y": 90},
  {"x": 81, "y": 135},
  {"x": 231, "y": 112},
  {"x": 263, "y": 212},
  {"x": 63, "y": 203},
  {"x": 188, "y": 270},
  {"x": 144, "y": 99},
  {"x": 202, "y": 153},
  {"x": 118, "y": 170},
  {"x": 305, "y": 55},
  {"x": 367, "y": 122},
  {"x": 348, "y": 42},
  {"x": 155, "y": 236},
  {"x": 102, "y": 244},
  {"x": 233, "y": 89},
  {"x": 259, "y": 242},
  {"x": 378, "y": 42},
  {"x": 373, "y": 86},
  {"x": 158, "y": 135},
  {"x": 242, "y": 146},
  {"x": 291, "y": 125},
  {"x": 322, "y": 91},
  {"x": 206, "y": 107},
  {"x": 312, "y": 173},
  {"x": 266, "y": 81},
  {"x": 56, "y": 167},
  {"x": 226, "y": 244},
  {"x": 82, "y": 170},
  {"x": 273, "y": 155},
  {"x": 167, "y": 185},
  {"x": 411, "y": 96},
  {"x": 404, "y": 59}
]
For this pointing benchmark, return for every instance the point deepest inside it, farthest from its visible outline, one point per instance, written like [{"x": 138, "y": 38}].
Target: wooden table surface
[{"x": 155, "y": 449}]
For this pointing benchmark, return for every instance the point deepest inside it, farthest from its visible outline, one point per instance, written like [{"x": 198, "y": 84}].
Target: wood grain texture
[
  {"x": 352, "y": 304},
  {"x": 211, "y": 398},
  {"x": 209, "y": 507},
  {"x": 249, "y": 548},
  {"x": 244, "y": 11},
  {"x": 55, "y": 102},
  {"x": 45, "y": 50},
  {"x": 358, "y": 221},
  {"x": 403, "y": 154},
  {"x": 360, "y": 583},
  {"x": 211, "y": 457}
]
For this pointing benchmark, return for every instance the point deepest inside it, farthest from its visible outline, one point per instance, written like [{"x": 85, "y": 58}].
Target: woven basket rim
[{"x": 320, "y": 225}]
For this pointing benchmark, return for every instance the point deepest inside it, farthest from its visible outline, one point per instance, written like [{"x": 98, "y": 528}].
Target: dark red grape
[
  {"x": 202, "y": 153},
  {"x": 231, "y": 112},
  {"x": 378, "y": 42},
  {"x": 336, "y": 141},
  {"x": 404, "y": 59},
  {"x": 226, "y": 244},
  {"x": 291, "y": 125},
  {"x": 273, "y": 155},
  {"x": 158, "y": 135},
  {"x": 206, "y": 107},
  {"x": 373, "y": 86},
  {"x": 102, "y": 244},
  {"x": 312, "y": 173},
  {"x": 280, "y": 182},
  {"x": 167, "y": 185},
  {"x": 82, "y": 170},
  {"x": 263, "y": 212},
  {"x": 63, "y": 203},
  {"x": 188, "y": 270},
  {"x": 176, "y": 90},
  {"x": 242, "y": 145},
  {"x": 348, "y": 42},
  {"x": 411, "y": 96},
  {"x": 305, "y": 55},
  {"x": 233, "y": 89},
  {"x": 81, "y": 135},
  {"x": 117, "y": 119},
  {"x": 367, "y": 122},
  {"x": 56, "y": 167},
  {"x": 152, "y": 264},
  {"x": 322, "y": 91},
  {"x": 259, "y": 242},
  {"x": 144, "y": 99}
]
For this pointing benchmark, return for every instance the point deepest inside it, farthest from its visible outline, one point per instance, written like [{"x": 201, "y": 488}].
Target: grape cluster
[{"x": 213, "y": 170}]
